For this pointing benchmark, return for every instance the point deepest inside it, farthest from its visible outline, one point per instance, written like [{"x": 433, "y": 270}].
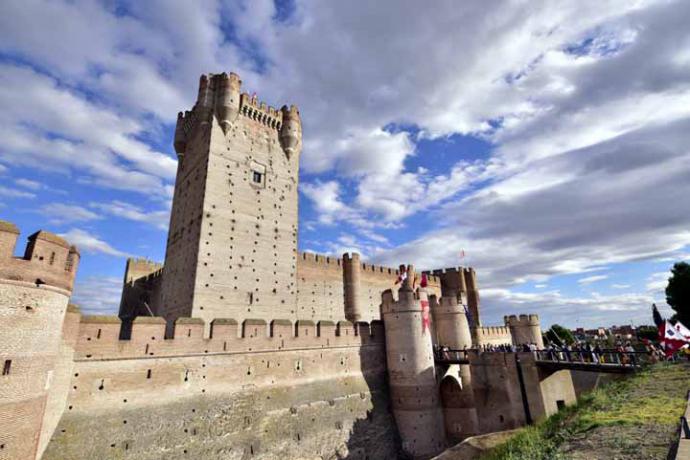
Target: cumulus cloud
[
  {"x": 61, "y": 213},
  {"x": 159, "y": 219},
  {"x": 586, "y": 107},
  {"x": 592, "y": 279},
  {"x": 14, "y": 193},
  {"x": 587, "y": 311},
  {"x": 89, "y": 242},
  {"x": 98, "y": 295},
  {"x": 30, "y": 184}
]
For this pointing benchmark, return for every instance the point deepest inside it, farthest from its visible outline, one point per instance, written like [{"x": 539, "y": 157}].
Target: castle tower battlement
[
  {"x": 525, "y": 329},
  {"x": 34, "y": 296},
  {"x": 48, "y": 259}
]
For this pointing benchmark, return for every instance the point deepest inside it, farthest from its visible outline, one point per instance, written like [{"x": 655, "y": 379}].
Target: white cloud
[
  {"x": 657, "y": 282},
  {"x": 586, "y": 105},
  {"x": 98, "y": 295},
  {"x": 60, "y": 213},
  {"x": 554, "y": 307},
  {"x": 326, "y": 199},
  {"x": 88, "y": 242},
  {"x": 30, "y": 184},
  {"x": 620, "y": 286},
  {"x": 592, "y": 279},
  {"x": 159, "y": 219},
  {"x": 14, "y": 193}
]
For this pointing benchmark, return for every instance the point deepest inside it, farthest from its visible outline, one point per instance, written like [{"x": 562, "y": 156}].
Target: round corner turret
[{"x": 291, "y": 131}]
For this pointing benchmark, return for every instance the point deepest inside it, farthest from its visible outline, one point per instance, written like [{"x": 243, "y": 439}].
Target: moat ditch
[{"x": 633, "y": 419}]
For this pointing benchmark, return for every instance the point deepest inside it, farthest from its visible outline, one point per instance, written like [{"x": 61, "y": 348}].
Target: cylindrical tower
[
  {"x": 34, "y": 294},
  {"x": 452, "y": 328},
  {"x": 470, "y": 278},
  {"x": 411, "y": 372},
  {"x": 228, "y": 103},
  {"x": 457, "y": 396},
  {"x": 205, "y": 99},
  {"x": 534, "y": 328},
  {"x": 352, "y": 269},
  {"x": 459, "y": 407},
  {"x": 525, "y": 329},
  {"x": 291, "y": 131}
]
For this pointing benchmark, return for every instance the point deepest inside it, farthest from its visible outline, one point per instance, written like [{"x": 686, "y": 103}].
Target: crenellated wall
[
  {"x": 493, "y": 335},
  {"x": 270, "y": 389},
  {"x": 48, "y": 258},
  {"x": 35, "y": 338}
]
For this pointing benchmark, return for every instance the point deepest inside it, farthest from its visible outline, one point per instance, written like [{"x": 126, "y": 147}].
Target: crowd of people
[{"x": 621, "y": 353}]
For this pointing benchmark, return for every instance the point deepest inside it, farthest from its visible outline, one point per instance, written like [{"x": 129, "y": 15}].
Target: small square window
[{"x": 257, "y": 177}]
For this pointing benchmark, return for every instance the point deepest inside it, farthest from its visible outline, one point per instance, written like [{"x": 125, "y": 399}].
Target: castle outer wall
[
  {"x": 328, "y": 288},
  {"x": 253, "y": 390}
]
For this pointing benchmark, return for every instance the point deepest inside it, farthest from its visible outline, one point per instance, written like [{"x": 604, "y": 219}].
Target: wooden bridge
[{"x": 607, "y": 361}]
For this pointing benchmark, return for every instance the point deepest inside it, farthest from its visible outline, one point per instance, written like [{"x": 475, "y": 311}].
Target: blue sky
[{"x": 549, "y": 142}]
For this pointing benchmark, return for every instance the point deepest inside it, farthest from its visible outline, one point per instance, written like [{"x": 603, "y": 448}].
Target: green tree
[
  {"x": 648, "y": 332},
  {"x": 678, "y": 292},
  {"x": 560, "y": 335}
]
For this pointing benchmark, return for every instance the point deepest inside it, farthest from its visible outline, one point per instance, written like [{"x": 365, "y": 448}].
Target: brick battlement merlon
[
  {"x": 522, "y": 320},
  {"x": 99, "y": 337},
  {"x": 8, "y": 227},
  {"x": 259, "y": 111},
  {"x": 494, "y": 331},
  {"x": 443, "y": 271},
  {"x": 320, "y": 259},
  {"x": 48, "y": 259}
]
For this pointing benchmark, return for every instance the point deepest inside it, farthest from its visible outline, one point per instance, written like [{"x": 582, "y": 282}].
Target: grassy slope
[{"x": 636, "y": 418}]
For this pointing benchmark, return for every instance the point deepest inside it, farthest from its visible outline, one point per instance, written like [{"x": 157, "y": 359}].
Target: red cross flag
[{"x": 671, "y": 339}]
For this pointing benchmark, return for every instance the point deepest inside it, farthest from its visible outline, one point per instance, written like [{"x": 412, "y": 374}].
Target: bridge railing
[
  {"x": 600, "y": 357},
  {"x": 448, "y": 355}
]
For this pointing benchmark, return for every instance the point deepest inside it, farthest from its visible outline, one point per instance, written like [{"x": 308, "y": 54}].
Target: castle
[{"x": 239, "y": 346}]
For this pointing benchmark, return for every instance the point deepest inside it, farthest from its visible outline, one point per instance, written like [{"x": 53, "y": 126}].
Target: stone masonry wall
[
  {"x": 256, "y": 390},
  {"x": 56, "y": 402},
  {"x": 320, "y": 293},
  {"x": 493, "y": 335},
  {"x": 30, "y": 326}
]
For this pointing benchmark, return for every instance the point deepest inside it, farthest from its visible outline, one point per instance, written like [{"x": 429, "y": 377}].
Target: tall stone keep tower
[{"x": 232, "y": 243}]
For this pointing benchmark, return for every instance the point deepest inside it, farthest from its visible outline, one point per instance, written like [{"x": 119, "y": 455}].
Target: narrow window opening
[
  {"x": 6, "y": 368},
  {"x": 52, "y": 258},
  {"x": 257, "y": 177},
  {"x": 98, "y": 334},
  {"x": 148, "y": 374}
]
